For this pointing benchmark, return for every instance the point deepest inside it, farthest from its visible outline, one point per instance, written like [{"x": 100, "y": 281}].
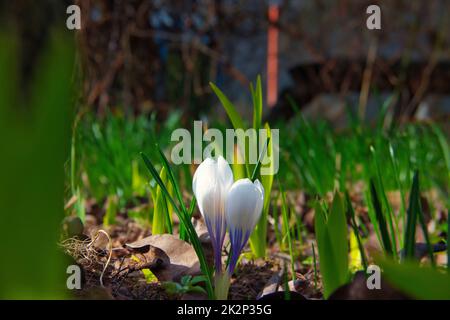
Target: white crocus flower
[
  {"x": 211, "y": 182},
  {"x": 243, "y": 209}
]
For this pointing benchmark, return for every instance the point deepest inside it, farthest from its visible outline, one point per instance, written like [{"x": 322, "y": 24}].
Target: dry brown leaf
[{"x": 179, "y": 257}]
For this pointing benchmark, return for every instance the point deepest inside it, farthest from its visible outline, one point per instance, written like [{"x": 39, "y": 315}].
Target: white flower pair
[{"x": 224, "y": 203}]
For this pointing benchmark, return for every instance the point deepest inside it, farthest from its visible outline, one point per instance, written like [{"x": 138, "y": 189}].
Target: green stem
[{"x": 222, "y": 285}]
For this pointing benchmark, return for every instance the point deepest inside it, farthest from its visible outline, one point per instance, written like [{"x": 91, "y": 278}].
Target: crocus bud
[
  {"x": 212, "y": 180},
  {"x": 243, "y": 209}
]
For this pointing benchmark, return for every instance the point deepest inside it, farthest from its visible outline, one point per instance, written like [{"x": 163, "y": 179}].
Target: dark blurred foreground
[{"x": 36, "y": 110}]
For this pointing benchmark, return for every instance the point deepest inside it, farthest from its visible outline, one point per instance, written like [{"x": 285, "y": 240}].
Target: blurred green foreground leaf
[{"x": 34, "y": 140}]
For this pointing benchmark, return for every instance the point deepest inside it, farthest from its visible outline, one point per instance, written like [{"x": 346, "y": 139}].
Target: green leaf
[
  {"x": 80, "y": 206},
  {"x": 372, "y": 215},
  {"x": 417, "y": 281},
  {"x": 171, "y": 179},
  {"x": 337, "y": 226},
  {"x": 448, "y": 242},
  {"x": 237, "y": 123},
  {"x": 444, "y": 147},
  {"x": 384, "y": 110},
  {"x": 183, "y": 215},
  {"x": 239, "y": 169},
  {"x": 172, "y": 288},
  {"x": 197, "y": 279},
  {"x": 196, "y": 289},
  {"x": 389, "y": 213},
  {"x": 258, "y": 239},
  {"x": 137, "y": 182},
  {"x": 276, "y": 222},
  {"x": 256, "y": 171},
  {"x": 111, "y": 210},
  {"x": 422, "y": 220},
  {"x": 351, "y": 215},
  {"x": 287, "y": 230},
  {"x": 412, "y": 213},
  {"x": 161, "y": 218},
  {"x": 35, "y": 121},
  {"x": 185, "y": 280},
  {"x": 332, "y": 242},
  {"x": 399, "y": 185},
  {"x": 234, "y": 116},
  {"x": 380, "y": 219},
  {"x": 257, "y": 103}
]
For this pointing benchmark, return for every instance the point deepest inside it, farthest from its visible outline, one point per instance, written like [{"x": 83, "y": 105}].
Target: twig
[{"x": 367, "y": 76}]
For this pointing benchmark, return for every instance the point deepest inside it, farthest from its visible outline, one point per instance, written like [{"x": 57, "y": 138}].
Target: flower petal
[
  {"x": 242, "y": 210},
  {"x": 224, "y": 172},
  {"x": 244, "y": 204},
  {"x": 210, "y": 184}
]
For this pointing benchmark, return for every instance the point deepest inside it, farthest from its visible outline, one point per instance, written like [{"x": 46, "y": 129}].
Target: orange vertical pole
[{"x": 272, "y": 56}]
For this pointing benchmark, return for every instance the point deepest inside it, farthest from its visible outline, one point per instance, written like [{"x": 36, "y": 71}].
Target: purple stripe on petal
[
  {"x": 216, "y": 232},
  {"x": 238, "y": 239}
]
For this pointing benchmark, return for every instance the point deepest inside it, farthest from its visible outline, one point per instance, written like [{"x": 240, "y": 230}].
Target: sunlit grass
[{"x": 370, "y": 160}]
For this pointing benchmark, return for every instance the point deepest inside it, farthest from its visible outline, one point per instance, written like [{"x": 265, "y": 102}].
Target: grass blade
[
  {"x": 444, "y": 147},
  {"x": 172, "y": 180},
  {"x": 332, "y": 242},
  {"x": 160, "y": 209},
  {"x": 415, "y": 196},
  {"x": 413, "y": 209},
  {"x": 287, "y": 231},
  {"x": 276, "y": 219},
  {"x": 258, "y": 239},
  {"x": 399, "y": 185},
  {"x": 389, "y": 213},
  {"x": 261, "y": 156},
  {"x": 380, "y": 219},
  {"x": 234, "y": 116},
  {"x": 257, "y": 103},
  {"x": 351, "y": 214}
]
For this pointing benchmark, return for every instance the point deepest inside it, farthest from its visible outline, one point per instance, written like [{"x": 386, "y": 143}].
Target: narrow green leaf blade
[
  {"x": 234, "y": 116},
  {"x": 411, "y": 221},
  {"x": 332, "y": 242},
  {"x": 257, "y": 103},
  {"x": 380, "y": 219},
  {"x": 351, "y": 214}
]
